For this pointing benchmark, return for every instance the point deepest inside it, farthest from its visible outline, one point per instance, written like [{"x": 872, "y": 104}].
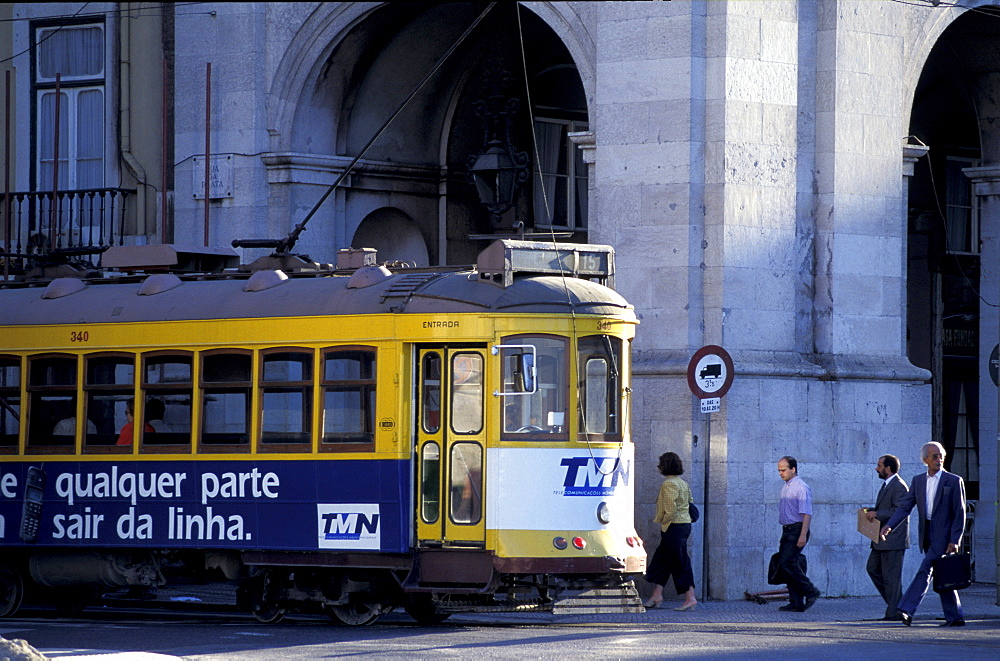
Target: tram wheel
[
  {"x": 422, "y": 609},
  {"x": 356, "y": 614},
  {"x": 266, "y": 590},
  {"x": 269, "y": 614},
  {"x": 11, "y": 591}
]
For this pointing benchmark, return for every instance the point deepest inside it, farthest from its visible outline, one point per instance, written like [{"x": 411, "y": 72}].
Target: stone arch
[
  {"x": 394, "y": 235},
  {"x": 348, "y": 68},
  {"x": 953, "y": 236}
]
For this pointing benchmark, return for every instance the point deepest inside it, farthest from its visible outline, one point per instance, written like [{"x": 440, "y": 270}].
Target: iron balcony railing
[{"x": 76, "y": 224}]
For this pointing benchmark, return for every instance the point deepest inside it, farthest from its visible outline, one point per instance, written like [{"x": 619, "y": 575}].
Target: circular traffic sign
[{"x": 710, "y": 372}]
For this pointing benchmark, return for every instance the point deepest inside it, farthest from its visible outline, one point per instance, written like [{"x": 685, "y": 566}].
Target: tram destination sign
[{"x": 710, "y": 374}]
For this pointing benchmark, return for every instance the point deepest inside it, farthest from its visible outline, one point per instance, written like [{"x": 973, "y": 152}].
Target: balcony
[{"x": 75, "y": 227}]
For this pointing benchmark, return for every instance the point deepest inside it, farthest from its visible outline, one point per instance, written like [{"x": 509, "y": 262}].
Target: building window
[
  {"x": 77, "y": 54},
  {"x": 560, "y": 185},
  {"x": 961, "y": 208}
]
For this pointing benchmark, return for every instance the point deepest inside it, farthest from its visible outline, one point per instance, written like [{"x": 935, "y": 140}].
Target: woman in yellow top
[{"x": 671, "y": 557}]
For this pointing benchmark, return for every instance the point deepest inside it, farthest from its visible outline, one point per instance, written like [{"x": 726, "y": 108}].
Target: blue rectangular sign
[{"x": 265, "y": 505}]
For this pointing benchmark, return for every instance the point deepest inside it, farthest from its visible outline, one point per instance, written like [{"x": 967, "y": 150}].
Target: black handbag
[
  {"x": 952, "y": 572},
  {"x": 693, "y": 512}
]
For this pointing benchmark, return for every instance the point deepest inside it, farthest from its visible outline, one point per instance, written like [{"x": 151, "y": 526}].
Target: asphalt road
[{"x": 147, "y": 636}]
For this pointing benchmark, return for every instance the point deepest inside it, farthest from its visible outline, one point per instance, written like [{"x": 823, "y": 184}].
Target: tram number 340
[{"x": 79, "y": 336}]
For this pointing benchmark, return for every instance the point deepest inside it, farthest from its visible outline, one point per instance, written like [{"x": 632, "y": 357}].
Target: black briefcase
[
  {"x": 952, "y": 572},
  {"x": 776, "y": 575}
]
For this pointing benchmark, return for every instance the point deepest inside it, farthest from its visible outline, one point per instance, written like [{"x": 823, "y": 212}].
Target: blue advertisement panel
[{"x": 342, "y": 505}]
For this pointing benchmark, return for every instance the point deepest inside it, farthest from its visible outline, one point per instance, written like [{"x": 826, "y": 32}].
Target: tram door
[{"x": 450, "y": 435}]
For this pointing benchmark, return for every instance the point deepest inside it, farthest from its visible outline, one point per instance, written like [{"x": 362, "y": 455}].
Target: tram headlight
[
  {"x": 560, "y": 543},
  {"x": 604, "y": 513}
]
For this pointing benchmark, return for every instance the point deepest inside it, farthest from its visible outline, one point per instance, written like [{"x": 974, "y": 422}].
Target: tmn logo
[
  {"x": 353, "y": 526},
  {"x": 594, "y": 476}
]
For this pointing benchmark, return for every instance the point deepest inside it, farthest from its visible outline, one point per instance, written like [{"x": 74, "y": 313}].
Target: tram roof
[{"x": 371, "y": 290}]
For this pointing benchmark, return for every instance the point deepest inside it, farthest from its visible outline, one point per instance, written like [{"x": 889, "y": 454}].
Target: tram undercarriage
[{"x": 351, "y": 594}]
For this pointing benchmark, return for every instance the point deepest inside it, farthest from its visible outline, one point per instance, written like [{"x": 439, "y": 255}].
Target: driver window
[{"x": 529, "y": 415}]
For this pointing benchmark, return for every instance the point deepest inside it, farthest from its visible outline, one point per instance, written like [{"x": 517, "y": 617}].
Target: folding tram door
[{"x": 449, "y": 443}]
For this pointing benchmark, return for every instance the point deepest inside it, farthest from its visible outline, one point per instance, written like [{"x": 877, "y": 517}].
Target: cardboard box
[{"x": 868, "y": 529}]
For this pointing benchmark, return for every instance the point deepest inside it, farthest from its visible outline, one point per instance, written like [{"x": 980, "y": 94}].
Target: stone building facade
[{"x": 811, "y": 184}]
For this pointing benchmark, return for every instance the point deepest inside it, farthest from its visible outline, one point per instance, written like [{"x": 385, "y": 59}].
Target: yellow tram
[{"x": 346, "y": 440}]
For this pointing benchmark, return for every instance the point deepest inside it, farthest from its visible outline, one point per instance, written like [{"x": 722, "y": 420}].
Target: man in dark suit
[
  {"x": 885, "y": 562},
  {"x": 939, "y": 497}
]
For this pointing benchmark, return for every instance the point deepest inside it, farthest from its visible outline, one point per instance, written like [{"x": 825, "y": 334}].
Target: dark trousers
[
  {"x": 886, "y": 571},
  {"x": 799, "y": 585},
  {"x": 671, "y": 559}
]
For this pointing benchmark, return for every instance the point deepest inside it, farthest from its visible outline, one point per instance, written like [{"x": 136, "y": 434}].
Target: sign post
[{"x": 709, "y": 376}]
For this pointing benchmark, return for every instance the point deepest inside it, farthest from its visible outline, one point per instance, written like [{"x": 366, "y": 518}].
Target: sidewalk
[{"x": 978, "y": 602}]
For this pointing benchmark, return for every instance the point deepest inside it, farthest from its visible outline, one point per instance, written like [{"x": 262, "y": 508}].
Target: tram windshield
[{"x": 537, "y": 386}]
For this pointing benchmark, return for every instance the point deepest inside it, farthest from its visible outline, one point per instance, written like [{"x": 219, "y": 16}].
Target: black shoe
[
  {"x": 792, "y": 608},
  {"x": 905, "y": 618},
  {"x": 810, "y": 600},
  {"x": 954, "y": 623}
]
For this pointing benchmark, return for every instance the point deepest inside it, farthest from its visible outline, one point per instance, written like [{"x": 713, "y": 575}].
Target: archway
[
  {"x": 394, "y": 235},
  {"x": 954, "y": 224},
  {"x": 370, "y": 63}
]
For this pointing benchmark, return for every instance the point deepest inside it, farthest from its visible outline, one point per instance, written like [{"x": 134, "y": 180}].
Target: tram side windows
[
  {"x": 430, "y": 393},
  {"x": 536, "y": 395},
  {"x": 168, "y": 395},
  {"x": 600, "y": 373},
  {"x": 225, "y": 388},
  {"x": 286, "y": 399},
  {"x": 348, "y": 383},
  {"x": 52, "y": 400},
  {"x": 466, "y": 483},
  {"x": 467, "y": 393},
  {"x": 10, "y": 403},
  {"x": 109, "y": 388}
]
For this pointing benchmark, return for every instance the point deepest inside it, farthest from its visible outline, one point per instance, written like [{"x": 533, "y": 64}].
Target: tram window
[
  {"x": 286, "y": 397},
  {"x": 430, "y": 483},
  {"x": 466, "y": 472},
  {"x": 530, "y": 414},
  {"x": 600, "y": 359},
  {"x": 52, "y": 401},
  {"x": 109, "y": 385},
  {"x": 467, "y": 393},
  {"x": 225, "y": 382},
  {"x": 167, "y": 393},
  {"x": 10, "y": 403},
  {"x": 348, "y": 396},
  {"x": 430, "y": 393}
]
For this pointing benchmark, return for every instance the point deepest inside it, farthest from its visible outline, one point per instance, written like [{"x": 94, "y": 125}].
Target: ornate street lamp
[{"x": 499, "y": 169}]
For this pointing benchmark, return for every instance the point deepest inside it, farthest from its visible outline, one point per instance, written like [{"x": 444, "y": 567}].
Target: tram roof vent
[
  {"x": 262, "y": 280},
  {"x": 159, "y": 283},
  {"x": 63, "y": 287},
  {"x": 355, "y": 258},
  {"x": 499, "y": 261},
  {"x": 169, "y": 257},
  {"x": 368, "y": 276}
]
